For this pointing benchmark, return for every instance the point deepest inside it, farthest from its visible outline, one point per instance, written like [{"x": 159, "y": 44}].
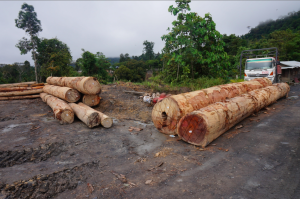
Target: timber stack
[
  {"x": 22, "y": 90},
  {"x": 62, "y": 94},
  {"x": 198, "y": 117}
]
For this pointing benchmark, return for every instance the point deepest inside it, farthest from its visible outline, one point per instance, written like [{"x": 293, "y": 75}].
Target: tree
[
  {"x": 88, "y": 63},
  {"x": 78, "y": 64},
  {"x": 27, "y": 20},
  {"x": 148, "y": 50},
  {"x": 54, "y": 57}
]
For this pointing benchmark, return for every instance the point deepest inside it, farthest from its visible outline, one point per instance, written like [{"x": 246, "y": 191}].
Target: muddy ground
[{"x": 39, "y": 158}]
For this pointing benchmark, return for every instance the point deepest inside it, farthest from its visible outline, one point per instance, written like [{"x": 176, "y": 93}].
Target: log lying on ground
[
  {"x": 17, "y": 84},
  {"x": 106, "y": 121},
  {"x": 19, "y": 97},
  {"x": 88, "y": 115},
  {"x": 39, "y": 84},
  {"x": 61, "y": 109},
  {"x": 18, "y": 93},
  {"x": 66, "y": 93},
  {"x": 91, "y": 100},
  {"x": 19, "y": 88},
  {"x": 202, "y": 126},
  {"x": 85, "y": 85},
  {"x": 167, "y": 113}
]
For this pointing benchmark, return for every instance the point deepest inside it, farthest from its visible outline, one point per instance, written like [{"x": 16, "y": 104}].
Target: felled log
[
  {"x": 167, "y": 113},
  {"x": 90, "y": 117},
  {"x": 65, "y": 93},
  {"x": 18, "y": 93},
  {"x": 91, "y": 100},
  {"x": 61, "y": 109},
  {"x": 17, "y": 84},
  {"x": 19, "y": 88},
  {"x": 202, "y": 126},
  {"x": 106, "y": 121},
  {"x": 85, "y": 85},
  {"x": 19, "y": 97},
  {"x": 39, "y": 84}
]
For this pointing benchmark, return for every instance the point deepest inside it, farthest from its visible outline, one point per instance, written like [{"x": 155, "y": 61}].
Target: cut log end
[
  {"x": 92, "y": 86},
  {"x": 165, "y": 115},
  {"x": 192, "y": 129},
  {"x": 91, "y": 100},
  {"x": 107, "y": 122},
  {"x": 93, "y": 120},
  {"x": 72, "y": 95},
  {"x": 67, "y": 116}
]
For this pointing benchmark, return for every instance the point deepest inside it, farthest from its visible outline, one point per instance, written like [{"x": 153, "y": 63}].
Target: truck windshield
[{"x": 258, "y": 64}]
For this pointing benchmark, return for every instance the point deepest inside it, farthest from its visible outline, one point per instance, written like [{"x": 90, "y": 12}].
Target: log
[
  {"x": 167, "y": 113},
  {"x": 65, "y": 93},
  {"x": 88, "y": 116},
  {"x": 85, "y": 85},
  {"x": 91, "y": 100},
  {"x": 61, "y": 109},
  {"x": 19, "y": 97},
  {"x": 19, "y": 88},
  {"x": 18, "y": 93},
  {"x": 39, "y": 84},
  {"x": 17, "y": 84},
  {"x": 106, "y": 121},
  {"x": 202, "y": 126}
]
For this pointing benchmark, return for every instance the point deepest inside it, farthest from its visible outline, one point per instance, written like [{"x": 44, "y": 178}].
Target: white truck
[{"x": 266, "y": 66}]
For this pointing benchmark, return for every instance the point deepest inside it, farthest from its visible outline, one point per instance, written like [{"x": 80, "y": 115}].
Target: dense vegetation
[{"x": 195, "y": 54}]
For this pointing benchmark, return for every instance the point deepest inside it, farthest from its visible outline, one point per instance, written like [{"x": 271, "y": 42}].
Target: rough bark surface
[
  {"x": 18, "y": 93},
  {"x": 106, "y": 121},
  {"x": 17, "y": 84},
  {"x": 91, "y": 100},
  {"x": 61, "y": 109},
  {"x": 85, "y": 85},
  {"x": 88, "y": 116},
  {"x": 19, "y": 88},
  {"x": 202, "y": 126},
  {"x": 167, "y": 113},
  {"x": 19, "y": 97},
  {"x": 65, "y": 93}
]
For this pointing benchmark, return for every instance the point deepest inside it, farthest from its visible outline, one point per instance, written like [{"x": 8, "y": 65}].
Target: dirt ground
[{"x": 39, "y": 158}]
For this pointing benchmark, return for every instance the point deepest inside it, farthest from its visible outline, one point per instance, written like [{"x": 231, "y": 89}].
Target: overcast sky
[{"x": 115, "y": 27}]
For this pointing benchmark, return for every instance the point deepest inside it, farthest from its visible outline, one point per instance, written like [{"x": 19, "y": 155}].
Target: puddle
[
  {"x": 10, "y": 127},
  {"x": 284, "y": 143},
  {"x": 144, "y": 124}
]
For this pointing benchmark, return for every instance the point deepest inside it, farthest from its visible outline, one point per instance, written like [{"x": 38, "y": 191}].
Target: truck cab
[{"x": 260, "y": 67}]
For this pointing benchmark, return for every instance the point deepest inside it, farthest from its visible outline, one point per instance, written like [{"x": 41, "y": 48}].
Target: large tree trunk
[
  {"x": 35, "y": 66},
  {"x": 167, "y": 113},
  {"x": 19, "y": 97},
  {"x": 19, "y": 89},
  {"x": 106, "y": 121},
  {"x": 17, "y": 93},
  {"x": 202, "y": 126},
  {"x": 89, "y": 116},
  {"x": 65, "y": 93},
  {"x": 91, "y": 100},
  {"x": 85, "y": 85},
  {"x": 24, "y": 84},
  {"x": 61, "y": 109}
]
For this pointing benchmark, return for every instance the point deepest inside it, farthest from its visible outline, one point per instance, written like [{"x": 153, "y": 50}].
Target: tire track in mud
[
  {"x": 41, "y": 153},
  {"x": 47, "y": 186}
]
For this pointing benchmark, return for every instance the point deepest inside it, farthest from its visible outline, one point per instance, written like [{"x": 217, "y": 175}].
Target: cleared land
[{"x": 40, "y": 158}]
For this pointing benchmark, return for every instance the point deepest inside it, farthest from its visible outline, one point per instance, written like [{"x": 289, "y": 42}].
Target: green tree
[
  {"x": 27, "y": 20},
  {"x": 124, "y": 73},
  {"x": 88, "y": 63},
  {"x": 148, "y": 50},
  {"x": 78, "y": 64}
]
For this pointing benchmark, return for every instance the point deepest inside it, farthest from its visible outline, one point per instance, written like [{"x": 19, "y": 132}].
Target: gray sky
[{"x": 115, "y": 27}]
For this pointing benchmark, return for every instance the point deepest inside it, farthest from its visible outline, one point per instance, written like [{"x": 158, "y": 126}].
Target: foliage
[
  {"x": 27, "y": 20},
  {"x": 16, "y": 72},
  {"x": 148, "y": 50}
]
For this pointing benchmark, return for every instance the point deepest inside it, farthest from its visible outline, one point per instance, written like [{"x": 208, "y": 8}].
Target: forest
[{"x": 194, "y": 51}]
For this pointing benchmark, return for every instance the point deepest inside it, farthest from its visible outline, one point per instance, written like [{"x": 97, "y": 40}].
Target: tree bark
[
  {"x": 167, "y": 113},
  {"x": 19, "y": 97},
  {"x": 91, "y": 100},
  {"x": 106, "y": 121},
  {"x": 24, "y": 84},
  {"x": 202, "y": 126},
  {"x": 17, "y": 93},
  {"x": 65, "y": 93},
  {"x": 85, "y": 85},
  {"x": 61, "y": 109},
  {"x": 19, "y": 89},
  {"x": 87, "y": 115}
]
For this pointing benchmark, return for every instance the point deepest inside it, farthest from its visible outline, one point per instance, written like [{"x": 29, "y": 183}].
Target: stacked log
[
  {"x": 202, "y": 126},
  {"x": 91, "y": 100},
  {"x": 167, "y": 113},
  {"x": 89, "y": 116},
  {"x": 61, "y": 109},
  {"x": 24, "y": 84},
  {"x": 65, "y": 93}
]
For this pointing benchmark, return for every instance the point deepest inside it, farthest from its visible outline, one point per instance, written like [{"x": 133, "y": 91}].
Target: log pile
[
  {"x": 62, "y": 93},
  {"x": 23, "y": 90},
  {"x": 201, "y": 116}
]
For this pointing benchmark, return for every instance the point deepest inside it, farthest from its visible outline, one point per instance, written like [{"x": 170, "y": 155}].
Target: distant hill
[
  {"x": 113, "y": 59},
  {"x": 291, "y": 21}
]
